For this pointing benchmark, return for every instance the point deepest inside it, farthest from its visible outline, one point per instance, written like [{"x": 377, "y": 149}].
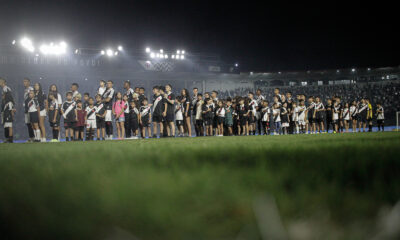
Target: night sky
[{"x": 260, "y": 38}]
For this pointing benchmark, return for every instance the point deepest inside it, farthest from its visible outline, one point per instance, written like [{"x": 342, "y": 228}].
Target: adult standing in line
[{"x": 28, "y": 88}]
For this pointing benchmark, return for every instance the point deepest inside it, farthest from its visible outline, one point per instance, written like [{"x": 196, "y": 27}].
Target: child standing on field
[
  {"x": 134, "y": 118},
  {"x": 145, "y": 116},
  {"x": 276, "y": 113},
  {"x": 80, "y": 121},
  {"x": 8, "y": 110},
  {"x": 265, "y": 112},
  {"x": 118, "y": 109},
  {"x": 68, "y": 110},
  {"x": 90, "y": 119},
  {"x": 220, "y": 112},
  {"x": 100, "y": 115},
  {"x": 229, "y": 116},
  {"x": 54, "y": 116}
]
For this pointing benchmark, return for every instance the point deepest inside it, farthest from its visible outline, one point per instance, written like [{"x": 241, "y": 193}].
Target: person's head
[
  {"x": 288, "y": 95},
  {"x": 378, "y": 104},
  {"x": 2, "y": 82},
  {"x": 241, "y": 101},
  {"x": 199, "y": 96},
  {"x": 220, "y": 103},
  {"x": 264, "y": 103},
  {"x": 86, "y": 97},
  {"x": 329, "y": 101},
  {"x": 276, "y": 91},
  {"x": 294, "y": 104},
  {"x": 125, "y": 97},
  {"x": 228, "y": 102},
  {"x": 301, "y": 102},
  {"x": 74, "y": 87},
  {"x": 367, "y": 100},
  {"x": 258, "y": 92},
  {"x": 310, "y": 99},
  {"x": 91, "y": 101},
  {"x": 206, "y": 95},
  {"x": 127, "y": 84},
  {"x": 53, "y": 88},
  {"x": 362, "y": 100},
  {"x": 317, "y": 99},
  {"x": 69, "y": 96},
  {"x": 27, "y": 82},
  {"x": 346, "y": 105},
  {"x": 156, "y": 90},
  {"x": 214, "y": 94},
  {"x": 109, "y": 84},
  {"x": 132, "y": 104},
  {"x": 52, "y": 96},
  {"x": 135, "y": 96},
  {"x": 195, "y": 90},
  {"x": 162, "y": 89},
  {"x": 168, "y": 88},
  {"x": 283, "y": 98},
  {"x": 98, "y": 98},
  {"x": 141, "y": 90},
  {"x": 298, "y": 96},
  {"x": 209, "y": 101},
  {"x": 276, "y": 99},
  {"x": 79, "y": 104},
  {"x": 137, "y": 90},
  {"x": 284, "y": 104},
  {"x": 118, "y": 96},
  {"x": 102, "y": 83},
  {"x": 37, "y": 87},
  {"x": 145, "y": 102},
  {"x": 250, "y": 95},
  {"x": 31, "y": 94},
  {"x": 185, "y": 93}
]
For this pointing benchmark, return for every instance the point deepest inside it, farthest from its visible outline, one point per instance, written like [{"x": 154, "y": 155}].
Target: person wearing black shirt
[
  {"x": 158, "y": 109},
  {"x": 208, "y": 116},
  {"x": 170, "y": 110},
  {"x": 108, "y": 97},
  {"x": 328, "y": 115}
]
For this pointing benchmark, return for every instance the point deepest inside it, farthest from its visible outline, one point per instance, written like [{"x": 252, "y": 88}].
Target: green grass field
[{"x": 325, "y": 187}]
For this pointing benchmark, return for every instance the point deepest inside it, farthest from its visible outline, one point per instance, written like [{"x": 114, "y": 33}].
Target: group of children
[{"x": 92, "y": 118}]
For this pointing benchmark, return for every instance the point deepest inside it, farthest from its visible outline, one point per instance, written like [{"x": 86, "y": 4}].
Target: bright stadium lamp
[
  {"x": 116, "y": 53},
  {"x": 161, "y": 51},
  {"x": 147, "y": 49},
  {"x": 183, "y": 51},
  {"x": 110, "y": 52},
  {"x": 178, "y": 52},
  {"x": 102, "y": 52},
  {"x": 236, "y": 64},
  {"x": 13, "y": 42},
  {"x": 182, "y": 57},
  {"x": 353, "y": 69},
  {"x": 120, "y": 48},
  {"x": 27, "y": 44},
  {"x": 173, "y": 56},
  {"x": 166, "y": 56},
  {"x": 152, "y": 55}
]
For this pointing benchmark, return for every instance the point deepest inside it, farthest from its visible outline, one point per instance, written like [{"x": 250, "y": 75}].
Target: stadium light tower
[
  {"x": 110, "y": 52},
  {"x": 120, "y": 48},
  {"x": 148, "y": 50},
  {"x": 236, "y": 64}
]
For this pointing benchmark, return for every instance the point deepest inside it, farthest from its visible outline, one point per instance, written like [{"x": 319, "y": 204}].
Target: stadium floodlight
[
  {"x": 152, "y": 55},
  {"x": 148, "y": 50},
  {"x": 369, "y": 69},
  {"x": 102, "y": 52},
  {"x": 166, "y": 56},
  {"x": 76, "y": 51},
  {"x": 353, "y": 69},
  {"x": 110, "y": 52},
  {"x": 236, "y": 64},
  {"x": 183, "y": 51},
  {"x": 148, "y": 62},
  {"x": 54, "y": 49},
  {"x": 116, "y": 53},
  {"x": 27, "y": 44},
  {"x": 338, "y": 71},
  {"x": 178, "y": 52},
  {"x": 120, "y": 48},
  {"x": 13, "y": 42},
  {"x": 161, "y": 51},
  {"x": 182, "y": 57},
  {"x": 173, "y": 56},
  {"x": 157, "y": 55}
]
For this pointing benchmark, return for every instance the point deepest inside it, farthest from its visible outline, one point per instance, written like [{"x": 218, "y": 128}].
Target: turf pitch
[{"x": 333, "y": 185}]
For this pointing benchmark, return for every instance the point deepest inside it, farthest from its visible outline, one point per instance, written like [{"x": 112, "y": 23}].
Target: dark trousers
[{"x": 127, "y": 125}]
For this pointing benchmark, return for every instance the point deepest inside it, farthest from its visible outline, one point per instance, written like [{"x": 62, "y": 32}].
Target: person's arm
[
  {"x": 165, "y": 109},
  {"x": 149, "y": 117},
  {"x": 113, "y": 109},
  {"x": 46, "y": 105},
  {"x": 55, "y": 115},
  {"x": 187, "y": 108},
  {"x": 38, "y": 110},
  {"x": 76, "y": 114}
]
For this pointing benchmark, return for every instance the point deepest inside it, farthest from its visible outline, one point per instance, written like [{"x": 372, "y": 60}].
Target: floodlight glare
[
  {"x": 157, "y": 55},
  {"x": 166, "y": 56},
  {"x": 13, "y": 42},
  {"x": 161, "y": 51},
  {"x": 102, "y": 52},
  {"x": 353, "y": 70},
  {"x": 54, "y": 49},
  {"x": 120, "y": 48},
  {"x": 147, "y": 49},
  {"x": 116, "y": 53},
  {"x": 173, "y": 56},
  {"x": 152, "y": 55},
  {"x": 236, "y": 64},
  {"x": 183, "y": 51},
  {"x": 27, "y": 44},
  {"x": 182, "y": 57},
  {"x": 178, "y": 52},
  {"x": 76, "y": 51},
  {"x": 110, "y": 52}
]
